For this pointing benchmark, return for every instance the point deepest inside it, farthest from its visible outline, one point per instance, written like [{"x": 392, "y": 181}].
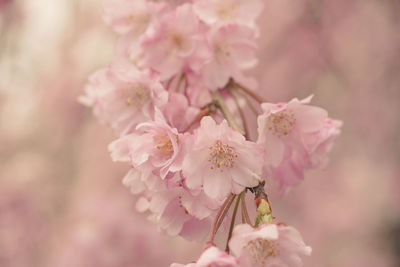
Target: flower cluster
[
  {"x": 172, "y": 96},
  {"x": 269, "y": 245}
]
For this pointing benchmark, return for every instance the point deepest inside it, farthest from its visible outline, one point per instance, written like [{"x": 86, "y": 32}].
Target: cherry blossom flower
[
  {"x": 122, "y": 96},
  {"x": 178, "y": 212},
  {"x": 178, "y": 113},
  {"x": 155, "y": 147},
  {"x": 197, "y": 92},
  {"x": 212, "y": 257},
  {"x": 233, "y": 48},
  {"x": 322, "y": 143},
  {"x": 173, "y": 207},
  {"x": 268, "y": 245},
  {"x": 172, "y": 42},
  {"x": 237, "y": 11},
  {"x": 129, "y": 16},
  {"x": 221, "y": 160},
  {"x": 296, "y": 137},
  {"x": 165, "y": 95}
]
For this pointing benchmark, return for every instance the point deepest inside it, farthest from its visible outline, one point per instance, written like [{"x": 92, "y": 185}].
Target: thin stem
[
  {"x": 218, "y": 217},
  {"x": 185, "y": 86},
  {"x": 248, "y": 102},
  {"x": 225, "y": 111},
  {"x": 251, "y": 93},
  {"x": 241, "y": 114},
  {"x": 233, "y": 222},
  {"x": 243, "y": 216},
  {"x": 224, "y": 213},
  {"x": 207, "y": 110},
  {"x": 169, "y": 82},
  {"x": 178, "y": 85},
  {"x": 244, "y": 210}
]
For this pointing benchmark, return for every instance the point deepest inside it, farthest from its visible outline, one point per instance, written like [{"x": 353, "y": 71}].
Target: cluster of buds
[{"x": 175, "y": 94}]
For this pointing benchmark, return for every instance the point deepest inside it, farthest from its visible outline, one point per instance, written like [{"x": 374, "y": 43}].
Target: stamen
[
  {"x": 164, "y": 144},
  {"x": 136, "y": 96},
  {"x": 281, "y": 123},
  {"x": 227, "y": 11},
  {"x": 262, "y": 249},
  {"x": 181, "y": 205},
  {"x": 222, "y": 155}
]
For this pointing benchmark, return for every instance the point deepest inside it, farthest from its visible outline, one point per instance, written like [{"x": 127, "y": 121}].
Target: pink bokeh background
[{"x": 61, "y": 198}]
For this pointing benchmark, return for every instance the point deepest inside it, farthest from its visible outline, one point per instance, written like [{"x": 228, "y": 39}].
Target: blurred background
[{"x": 61, "y": 198}]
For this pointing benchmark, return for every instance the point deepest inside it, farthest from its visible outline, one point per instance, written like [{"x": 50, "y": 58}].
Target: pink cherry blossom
[
  {"x": 172, "y": 42},
  {"x": 233, "y": 47},
  {"x": 173, "y": 61},
  {"x": 238, "y": 11},
  {"x": 221, "y": 160},
  {"x": 154, "y": 147},
  {"x": 178, "y": 113},
  {"x": 268, "y": 245},
  {"x": 129, "y": 16},
  {"x": 197, "y": 92},
  {"x": 296, "y": 137},
  {"x": 212, "y": 257},
  {"x": 175, "y": 209},
  {"x": 177, "y": 212},
  {"x": 122, "y": 96},
  {"x": 322, "y": 143}
]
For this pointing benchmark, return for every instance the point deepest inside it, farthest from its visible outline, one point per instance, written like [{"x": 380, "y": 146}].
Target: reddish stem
[
  {"x": 226, "y": 205},
  {"x": 241, "y": 114},
  {"x": 249, "y": 92},
  {"x": 233, "y": 222},
  {"x": 244, "y": 209},
  {"x": 207, "y": 110}
]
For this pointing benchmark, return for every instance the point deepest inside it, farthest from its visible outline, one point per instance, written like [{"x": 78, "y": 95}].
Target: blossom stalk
[
  {"x": 219, "y": 218},
  {"x": 226, "y": 112},
  {"x": 233, "y": 220},
  {"x": 249, "y": 92}
]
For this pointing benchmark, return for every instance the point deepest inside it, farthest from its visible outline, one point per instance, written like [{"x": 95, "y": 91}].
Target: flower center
[
  {"x": 140, "y": 20},
  {"x": 136, "y": 96},
  {"x": 281, "y": 123},
  {"x": 227, "y": 10},
  {"x": 164, "y": 145},
  {"x": 222, "y": 155},
  {"x": 181, "y": 205},
  {"x": 261, "y": 249},
  {"x": 221, "y": 52}
]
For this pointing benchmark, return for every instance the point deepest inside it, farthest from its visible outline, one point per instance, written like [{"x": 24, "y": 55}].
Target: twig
[
  {"x": 233, "y": 222},
  {"x": 224, "y": 213},
  {"x": 225, "y": 111},
  {"x": 251, "y": 93},
  {"x": 251, "y": 106},
  {"x": 218, "y": 217},
  {"x": 205, "y": 111},
  {"x": 241, "y": 114},
  {"x": 178, "y": 85},
  {"x": 244, "y": 210}
]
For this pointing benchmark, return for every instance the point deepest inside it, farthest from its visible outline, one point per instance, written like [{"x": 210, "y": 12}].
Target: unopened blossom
[
  {"x": 154, "y": 148},
  {"x": 275, "y": 245},
  {"x": 212, "y": 257},
  {"x": 228, "y": 11},
  {"x": 122, "y": 96},
  {"x": 221, "y": 160},
  {"x": 133, "y": 17},
  {"x": 233, "y": 49},
  {"x": 172, "y": 42},
  {"x": 296, "y": 137}
]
